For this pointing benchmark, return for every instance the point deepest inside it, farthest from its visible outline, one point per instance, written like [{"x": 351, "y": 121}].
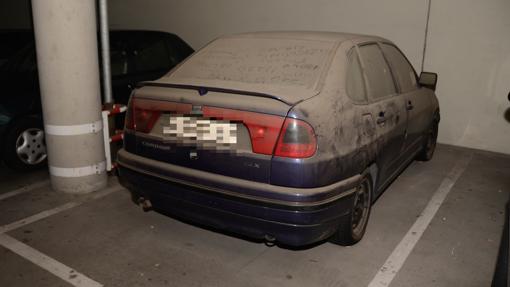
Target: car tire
[
  {"x": 353, "y": 225},
  {"x": 429, "y": 146},
  {"x": 24, "y": 147}
]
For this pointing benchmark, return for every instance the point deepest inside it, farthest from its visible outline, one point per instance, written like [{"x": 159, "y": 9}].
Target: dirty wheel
[
  {"x": 430, "y": 144},
  {"x": 353, "y": 226}
]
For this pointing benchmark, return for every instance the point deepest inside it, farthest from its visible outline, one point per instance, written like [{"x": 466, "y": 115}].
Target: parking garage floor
[{"x": 53, "y": 239}]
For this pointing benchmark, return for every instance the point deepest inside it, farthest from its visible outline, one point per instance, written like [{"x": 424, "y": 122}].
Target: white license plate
[{"x": 189, "y": 130}]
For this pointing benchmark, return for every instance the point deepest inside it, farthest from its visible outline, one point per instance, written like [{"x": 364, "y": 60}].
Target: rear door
[
  {"x": 417, "y": 104},
  {"x": 387, "y": 107}
]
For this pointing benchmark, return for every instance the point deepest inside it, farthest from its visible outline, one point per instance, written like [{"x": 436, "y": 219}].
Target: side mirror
[{"x": 428, "y": 80}]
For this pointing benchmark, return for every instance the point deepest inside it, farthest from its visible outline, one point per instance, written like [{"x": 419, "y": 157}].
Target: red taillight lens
[
  {"x": 263, "y": 128},
  {"x": 145, "y": 119},
  {"x": 144, "y": 113},
  {"x": 297, "y": 140}
]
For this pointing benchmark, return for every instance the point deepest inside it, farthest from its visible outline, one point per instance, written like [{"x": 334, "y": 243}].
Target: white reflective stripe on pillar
[
  {"x": 73, "y": 130},
  {"x": 78, "y": 171}
]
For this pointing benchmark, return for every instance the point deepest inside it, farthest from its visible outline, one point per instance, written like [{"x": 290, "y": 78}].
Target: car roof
[{"x": 308, "y": 35}]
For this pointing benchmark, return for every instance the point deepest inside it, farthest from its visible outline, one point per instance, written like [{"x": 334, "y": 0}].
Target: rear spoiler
[{"x": 204, "y": 90}]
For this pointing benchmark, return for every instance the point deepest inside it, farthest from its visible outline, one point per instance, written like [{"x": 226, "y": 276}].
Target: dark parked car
[
  {"x": 135, "y": 56},
  {"x": 287, "y": 137},
  {"x": 11, "y": 41}
]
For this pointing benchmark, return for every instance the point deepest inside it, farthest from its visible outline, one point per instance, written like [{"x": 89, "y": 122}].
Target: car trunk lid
[{"x": 221, "y": 132}]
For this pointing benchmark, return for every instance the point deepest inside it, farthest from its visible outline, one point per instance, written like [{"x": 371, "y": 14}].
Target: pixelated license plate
[{"x": 201, "y": 131}]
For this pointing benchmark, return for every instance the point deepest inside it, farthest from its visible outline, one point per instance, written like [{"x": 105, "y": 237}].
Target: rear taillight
[
  {"x": 269, "y": 134},
  {"x": 263, "y": 128},
  {"x": 297, "y": 140},
  {"x": 143, "y": 113}
]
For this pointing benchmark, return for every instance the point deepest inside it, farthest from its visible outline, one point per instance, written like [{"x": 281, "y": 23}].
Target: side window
[
  {"x": 178, "y": 50},
  {"x": 380, "y": 80},
  {"x": 403, "y": 71},
  {"x": 355, "y": 84},
  {"x": 150, "y": 54},
  {"x": 118, "y": 57}
]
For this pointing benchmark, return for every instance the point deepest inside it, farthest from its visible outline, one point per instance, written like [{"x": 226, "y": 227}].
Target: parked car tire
[
  {"x": 429, "y": 146},
  {"x": 353, "y": 226},
  {"x": 24, "y": 146}
]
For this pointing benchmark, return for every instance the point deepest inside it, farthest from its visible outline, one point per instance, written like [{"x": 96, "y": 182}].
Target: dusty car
[{"x": 286, "y": 137}]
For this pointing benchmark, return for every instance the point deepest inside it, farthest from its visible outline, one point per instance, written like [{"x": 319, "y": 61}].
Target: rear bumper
[{"x": 293, "y": 216}]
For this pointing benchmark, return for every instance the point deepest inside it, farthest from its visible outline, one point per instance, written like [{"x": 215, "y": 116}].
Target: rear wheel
[
  {"x": 430, "y": 144},
  {"x": 353, "y": 226},
  {"x": 25, "y": 147}
]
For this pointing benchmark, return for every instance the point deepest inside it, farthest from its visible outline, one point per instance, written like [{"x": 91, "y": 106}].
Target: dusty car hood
[{"x": 288, "y": 69}]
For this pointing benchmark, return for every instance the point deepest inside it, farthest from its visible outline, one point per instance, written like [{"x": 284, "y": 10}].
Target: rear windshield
[{"x": 257, "y": 63}]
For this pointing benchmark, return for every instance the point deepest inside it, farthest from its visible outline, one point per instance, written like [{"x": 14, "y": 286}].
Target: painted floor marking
[
  {"x": 399, "y": 255},
  {"x": 24, "y": 189},
  {"x": 49, "y": 264},
  {"x": 37, "y": 217},
  {"x": 58, "y": 209}
]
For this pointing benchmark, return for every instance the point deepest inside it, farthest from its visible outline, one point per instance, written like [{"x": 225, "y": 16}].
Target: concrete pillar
[{"x": 67, "y": 57}]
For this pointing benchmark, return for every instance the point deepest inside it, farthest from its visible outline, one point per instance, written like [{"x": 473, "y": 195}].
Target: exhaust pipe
[
  {"x": 145, "y": 204},
  {"x": 269, "y": 240}
]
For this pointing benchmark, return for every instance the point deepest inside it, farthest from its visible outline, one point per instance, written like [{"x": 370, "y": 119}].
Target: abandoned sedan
[{"x": 286, "y": 137}]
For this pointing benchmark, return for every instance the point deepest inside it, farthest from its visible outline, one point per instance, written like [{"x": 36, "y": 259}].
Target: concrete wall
[
  {"x": 468, "y": 44},
  {"x": 200, "y": 21}
]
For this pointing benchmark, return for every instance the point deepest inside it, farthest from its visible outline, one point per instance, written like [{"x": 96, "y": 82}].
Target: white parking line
[
  {"x": 58, "y": 209},
  {"x": 56, "y": 268},
  {"x": 24, "y": 189},
  {"x": 51, "y": 265},
  {"x": 37, "y": 217},
  {"x": 396, "y": 260}
]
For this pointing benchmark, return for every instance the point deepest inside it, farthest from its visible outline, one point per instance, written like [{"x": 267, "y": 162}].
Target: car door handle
[
  {"x": 381, "y": 119},
  {"x": 409, "y": 105}
]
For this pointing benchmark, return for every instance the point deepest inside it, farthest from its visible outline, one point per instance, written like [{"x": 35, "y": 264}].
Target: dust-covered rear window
[{"x": 260, "y": 62}]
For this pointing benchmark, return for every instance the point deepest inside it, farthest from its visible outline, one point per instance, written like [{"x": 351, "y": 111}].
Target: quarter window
[
  {"x": 403, "y": 71},
  {"x": 380, "y": 80}
]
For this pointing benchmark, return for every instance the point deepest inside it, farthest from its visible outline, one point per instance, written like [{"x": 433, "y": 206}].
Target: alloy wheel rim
[
  {"x": 30, "y": 146},
  {"x": 361, "y": 208}
]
